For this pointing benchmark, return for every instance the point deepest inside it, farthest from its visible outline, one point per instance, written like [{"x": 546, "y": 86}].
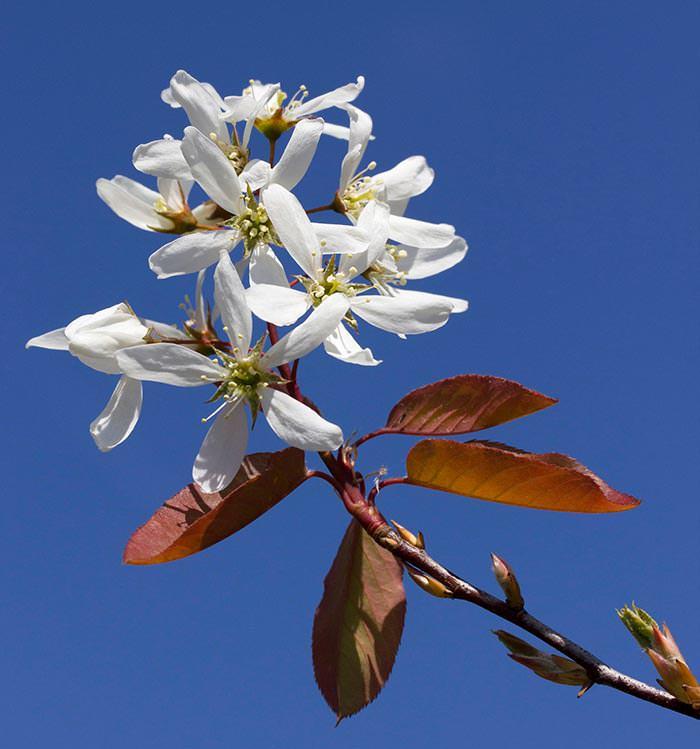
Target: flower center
[
  {"x": 254, "y": 225},
  {"x": 330, "y": 282},
  {"x": 385, "y": 271},
  {"x": 244, "y": 380},
  {"x": 361, "y": 190},
  {"x": 236, "y": 154}
]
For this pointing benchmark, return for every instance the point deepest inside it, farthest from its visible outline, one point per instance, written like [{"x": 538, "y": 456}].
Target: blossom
[
  {"x": 164, "y": 211},
  {"x": 248, "y": 220},
  {"x": 263, "y": 104},
  {"x": 203, "y": 106},
  {"x": 95, "y": 340},
  {"x": 242, "y": 375},
  {"x": 394, "y": 310},
  {"x": 409, "y": 178}
]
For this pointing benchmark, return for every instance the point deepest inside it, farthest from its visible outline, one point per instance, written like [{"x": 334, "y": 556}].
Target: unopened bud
[
  {"x": 415, "y": 540},
  {"x": 676, "y": 677},
  {"x": 429, "y": 584},
  {"x": 508, "y": 582},
  {"x": 664, "y": 644}
]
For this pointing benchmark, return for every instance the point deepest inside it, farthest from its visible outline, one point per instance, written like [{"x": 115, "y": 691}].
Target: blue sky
[{"x": 564, "y": 137}]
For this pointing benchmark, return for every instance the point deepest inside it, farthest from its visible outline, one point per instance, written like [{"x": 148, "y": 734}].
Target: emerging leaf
[
  {"x": 192, "y": 520},
  {"x": 466, "y": 403},
  {"x": 548, "y": 666},
  {"x": 358, "y": 624},
  {"x": 498, "y": 473}
]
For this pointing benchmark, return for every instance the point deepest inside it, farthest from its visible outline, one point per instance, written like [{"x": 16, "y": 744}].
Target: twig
[{"x": 599, "y": 672}]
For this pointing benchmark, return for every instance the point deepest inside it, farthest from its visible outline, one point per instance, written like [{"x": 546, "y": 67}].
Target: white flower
[
  {"x": 249, "y": 221},
  {"x": 263, "y": 105},
  {"x": 95, "y": 339},
  {"x": 409, "y": 178},
  {"x": 242, "y": 375},
  {"x": 163, "y": 211},
  {"x": 203, "y": 106},
  {"x": 401, "y": 312}
]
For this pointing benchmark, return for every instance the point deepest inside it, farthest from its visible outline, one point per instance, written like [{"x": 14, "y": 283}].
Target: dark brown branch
[{"x": 599, "y": 672}]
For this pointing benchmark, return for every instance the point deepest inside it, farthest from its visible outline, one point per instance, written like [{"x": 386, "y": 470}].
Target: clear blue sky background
[{"x": 564, "y": 136}]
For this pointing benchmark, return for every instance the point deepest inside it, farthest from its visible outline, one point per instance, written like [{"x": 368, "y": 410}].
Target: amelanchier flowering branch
[{"x": 274, "y": 262}]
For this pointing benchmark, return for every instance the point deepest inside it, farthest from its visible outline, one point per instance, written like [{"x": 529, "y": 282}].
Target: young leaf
[
  {"x": 498, "y": 473},
  {"x": 358, "y": 624},
  {"x": 192, "y": 520},
  {"x": 549, "y": 666},
  {"x": 466, "y": 403}
]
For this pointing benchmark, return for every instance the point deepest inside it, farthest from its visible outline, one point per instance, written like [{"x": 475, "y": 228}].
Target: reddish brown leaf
[
  {"x": 358, "y": 624},
  {"x": 498, "y": 473},
  {"x": 466, "y": 403},
  {"x": 192, "y": 520}
]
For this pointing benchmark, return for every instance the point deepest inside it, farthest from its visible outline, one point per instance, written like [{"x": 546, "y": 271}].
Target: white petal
[
  {"x": 222, "y": 451},
  {"x": 297, "y": 424},
  {"x": 255, "y": 174},
  {"x": 421, "y": 262},
  {"x": 130, "y": 206},
  {"x": 175, "y": 192},
  {"x": 298, "y": 154},
  {"x": 341, "y": 345},
  {"x": 408, "y": 178},
  {"x": 340, "y": 239},
  {"x": 119, "y": 417},
  {"x": 167, "y": 95},
  {"x": 425, "y": 297},
  {"x": 403, "y": 314},
  {"x": 162, "y": 158},
  {"x": 336, "y": 131},
  {"x": 374, "y": 225},
  {"x": 309, "y": 334},
  {"x": 279, "y": 305},
  {"x": 293, "y": 227},
  {"x": 192, "y": 252},
  {"x": 398, "y": 207},
  {"x": 98, "y": 348},
  {"x": 212, "y": 170},
  {"x": 54, "y": 339},
  {"x": 136, "y": 189},
  {"x": 341, "y": 95},
  {"x": 116, "y": 313},
  {"x": 265, "y": 267},
  {"x": 169, "y": 363},
  {"x": 420, "y": 233},
  {"x": 358, "y": 138},
  {"x": 202, "y": 108},
  {"x": 233, "y": 308}
]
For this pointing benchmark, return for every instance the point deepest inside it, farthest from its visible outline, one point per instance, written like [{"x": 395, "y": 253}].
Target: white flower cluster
[{"x": 346, "y": 272}]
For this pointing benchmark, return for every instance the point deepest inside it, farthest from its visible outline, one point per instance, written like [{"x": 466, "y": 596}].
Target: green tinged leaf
[{"x": 358, "y": 623}]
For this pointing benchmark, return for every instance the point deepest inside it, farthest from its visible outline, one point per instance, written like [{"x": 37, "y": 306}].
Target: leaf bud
[
  {"x": 415, "y": 540},
  {"x": 506, "y": 579},
  {"x": 429, "y": 584}
]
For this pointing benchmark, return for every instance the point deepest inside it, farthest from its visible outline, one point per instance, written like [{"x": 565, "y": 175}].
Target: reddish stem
[
  {"x": 371, "y": 435},
  {"x": 386, "y": 482}
]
